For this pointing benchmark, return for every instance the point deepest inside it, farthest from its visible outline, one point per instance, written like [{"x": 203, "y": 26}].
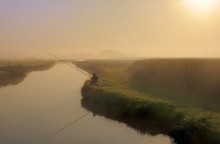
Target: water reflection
[
  {"x": 151, "y": 126},
  {"x": 46, "y": 101}
]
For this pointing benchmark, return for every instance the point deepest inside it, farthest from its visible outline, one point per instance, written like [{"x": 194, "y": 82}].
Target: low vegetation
[
  {"x": 13, "y": 72},
  {"x": 189, "y": 80},
  {"x": 139, "y": 95}
]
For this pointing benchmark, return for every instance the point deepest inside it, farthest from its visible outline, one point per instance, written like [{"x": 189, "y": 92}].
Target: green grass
[
  {"x": 115, "y": 97},
  {"x": 13, "y": 72},
  {"x": 189, "y": 80}
]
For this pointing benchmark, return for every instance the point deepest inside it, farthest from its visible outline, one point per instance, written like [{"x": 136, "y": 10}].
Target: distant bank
[{"x": 12, "y": 72}]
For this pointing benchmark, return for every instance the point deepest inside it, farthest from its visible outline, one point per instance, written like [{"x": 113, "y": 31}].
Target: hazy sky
[{"x": 135, "y": 27}]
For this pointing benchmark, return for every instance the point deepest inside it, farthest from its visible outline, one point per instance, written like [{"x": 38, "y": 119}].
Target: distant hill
[{"x": 111, "y": 54}]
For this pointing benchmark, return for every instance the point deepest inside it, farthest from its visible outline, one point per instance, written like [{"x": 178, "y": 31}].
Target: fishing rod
[
  {"x": 49, "y": 53},
  {"x": 75, "y": 120}
]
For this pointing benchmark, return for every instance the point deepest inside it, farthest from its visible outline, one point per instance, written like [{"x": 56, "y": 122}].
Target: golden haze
[{"x": 137, "y": 28}]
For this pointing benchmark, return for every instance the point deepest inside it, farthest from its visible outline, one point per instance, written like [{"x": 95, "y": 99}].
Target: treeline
[{"x": 197, "y": 79}]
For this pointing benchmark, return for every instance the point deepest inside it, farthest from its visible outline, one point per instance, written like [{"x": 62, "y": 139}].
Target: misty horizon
[{"x": 135, "y": 28}]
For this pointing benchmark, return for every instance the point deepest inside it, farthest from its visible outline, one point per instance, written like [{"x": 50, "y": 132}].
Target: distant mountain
[{"x": 111, "y": 54}]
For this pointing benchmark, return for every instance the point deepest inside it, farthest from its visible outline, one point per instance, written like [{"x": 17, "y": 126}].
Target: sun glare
[{"x": 201, "y": 6}]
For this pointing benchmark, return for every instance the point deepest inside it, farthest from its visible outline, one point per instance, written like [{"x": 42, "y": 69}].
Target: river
[{"x": 49, "y": 100}]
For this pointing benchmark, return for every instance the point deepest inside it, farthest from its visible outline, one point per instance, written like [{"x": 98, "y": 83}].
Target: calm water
[{"x": 47, "y": 101}]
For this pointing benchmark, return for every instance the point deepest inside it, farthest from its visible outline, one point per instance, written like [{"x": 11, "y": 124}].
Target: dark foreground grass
[
  {"x": 13, "y": 72},
  {"x": 114, "y": 98}
]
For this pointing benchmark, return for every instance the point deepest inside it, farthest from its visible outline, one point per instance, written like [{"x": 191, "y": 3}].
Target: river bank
[
  {"x": 114, "y": 98},
  {"x": 49, "y": 100},
  {"x": 12, "y": 72}
]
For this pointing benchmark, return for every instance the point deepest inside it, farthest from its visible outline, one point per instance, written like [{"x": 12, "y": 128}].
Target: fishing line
[
  {"x": 62, "y": 129},
  {"x": 74, "y": 121},
  {"x": 51, "y": 54}
]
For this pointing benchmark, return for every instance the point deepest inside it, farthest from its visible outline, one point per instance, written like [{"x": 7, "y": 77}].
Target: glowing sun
[{"x": 201, "y": 6}]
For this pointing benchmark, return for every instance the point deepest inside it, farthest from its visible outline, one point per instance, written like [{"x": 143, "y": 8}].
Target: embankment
[
  {"x": 149, "y": 117},
  {"x": 13, "y": 72},
  {"x": 115, "y": 99},
  {"x": 188, "y": 80}
]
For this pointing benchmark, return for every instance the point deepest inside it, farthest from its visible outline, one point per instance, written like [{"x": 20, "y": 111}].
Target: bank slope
[{"x": 113, "y": 98}]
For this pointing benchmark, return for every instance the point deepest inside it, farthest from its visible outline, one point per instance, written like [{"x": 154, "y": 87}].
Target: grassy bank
[
  {"x": 13, "y": 72},
  {"x": 116, "y": 98},
  {"x": 189, "y": 80}
]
